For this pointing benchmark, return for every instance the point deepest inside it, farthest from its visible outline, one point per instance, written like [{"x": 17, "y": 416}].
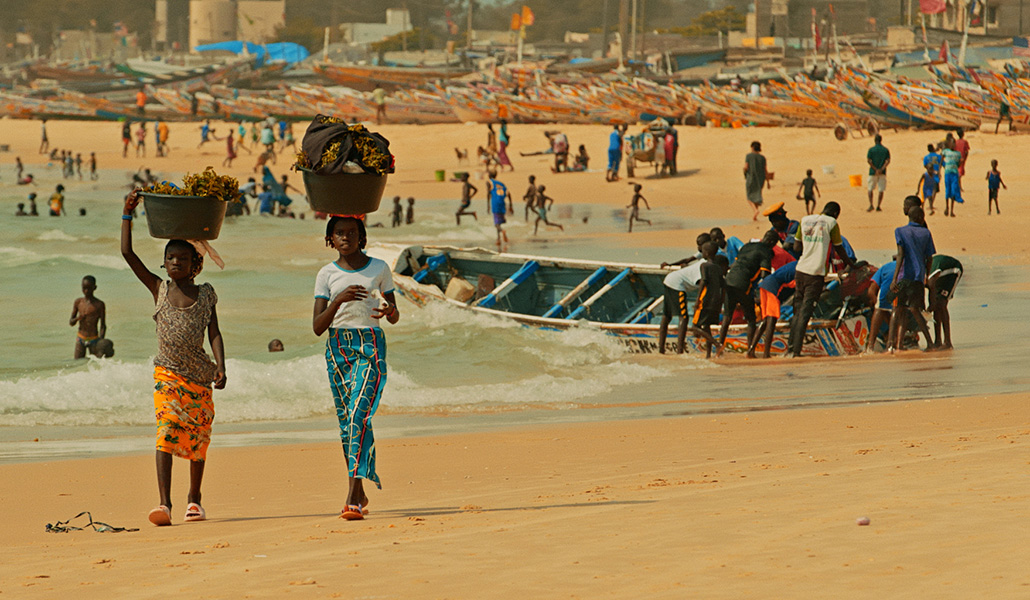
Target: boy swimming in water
[{"x": 90, "y": 314}]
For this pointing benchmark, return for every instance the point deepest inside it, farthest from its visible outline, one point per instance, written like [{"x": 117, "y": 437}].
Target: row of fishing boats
[{"x": 851, "y": 99}]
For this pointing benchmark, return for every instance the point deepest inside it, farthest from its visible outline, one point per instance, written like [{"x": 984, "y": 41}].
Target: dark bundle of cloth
[{"x": 329, "y": 144}]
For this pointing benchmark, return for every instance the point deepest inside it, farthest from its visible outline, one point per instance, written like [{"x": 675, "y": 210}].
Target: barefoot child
[
  {"x": 183, "y": 372},
  {"x": 90, "y": 314},
  {"x": 993, "y": 181},
  {"x": 467, "y": 192},
  {"x": 530, "y": 196},
  {"x": 929, "y": 183},
  {"x": 352, "y": 295},
  {"x": 541, "y": 210},
  {"x": 807, "y": 192},
  {"x": 634, "y": 204},
  {"x": 945, "y": 273},
  {"x": 709, "y": 299},
  {"x": 409, "y": 215}
]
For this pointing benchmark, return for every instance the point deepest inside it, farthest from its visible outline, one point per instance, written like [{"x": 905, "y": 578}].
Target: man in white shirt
[{"x": 817, "y": 235}]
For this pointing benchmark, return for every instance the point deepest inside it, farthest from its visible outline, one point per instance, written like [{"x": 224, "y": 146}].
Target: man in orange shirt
[{"x": 141, "y": 101}]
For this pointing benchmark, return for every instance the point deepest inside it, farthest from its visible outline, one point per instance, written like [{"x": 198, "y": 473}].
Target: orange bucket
[{"x": 855, "y": 180}]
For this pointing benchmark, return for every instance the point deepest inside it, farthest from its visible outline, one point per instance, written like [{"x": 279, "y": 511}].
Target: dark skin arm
[
  {"x": 214, "y": 337},
  {"x": 75, "y": 313},
  {"x": 843, "y": 254},
  {"x": 680, "y": 263},
  {"x": 151, "y": 281},
  {"x": 897, "y": 270},
  {"x": 102, "y": 329}
]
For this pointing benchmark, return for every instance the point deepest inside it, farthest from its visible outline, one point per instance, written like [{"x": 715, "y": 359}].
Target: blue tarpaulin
[{"x": 280, "y": 51}]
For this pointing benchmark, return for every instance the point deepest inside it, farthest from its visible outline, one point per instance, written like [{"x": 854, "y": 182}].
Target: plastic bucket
[
  {"x": 828, "y": 169},
  {"x": 855, "y": 180},
  {"x": 344, "y": 193},
  {"x": 440, "y": 175},
  {"x": 184, "y": 217}
]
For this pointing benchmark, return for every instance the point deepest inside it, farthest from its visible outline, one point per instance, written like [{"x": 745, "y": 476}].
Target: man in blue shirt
[
  {"x": 915, "y": 253},
  {"x": 497, "y": 194},
  {"x": 881, "y": 298},
  {"x": 614, "y": 154}
]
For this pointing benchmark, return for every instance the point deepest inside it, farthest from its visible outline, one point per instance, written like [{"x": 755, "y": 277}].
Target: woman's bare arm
[{"x": 153, "y": 282}]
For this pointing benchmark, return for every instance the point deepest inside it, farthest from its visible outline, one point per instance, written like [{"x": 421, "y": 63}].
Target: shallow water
[{"x": 448, "y": 370}]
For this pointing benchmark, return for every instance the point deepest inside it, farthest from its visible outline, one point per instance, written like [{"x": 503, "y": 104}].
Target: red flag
[
  {"x": 932, "y": 7},
  {"x": 945, "y": 52},
  {"x": 516, "y": 22}
]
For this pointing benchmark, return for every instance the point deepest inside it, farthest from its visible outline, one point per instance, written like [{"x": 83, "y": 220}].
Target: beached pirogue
[{"x": 621, "y": 299}]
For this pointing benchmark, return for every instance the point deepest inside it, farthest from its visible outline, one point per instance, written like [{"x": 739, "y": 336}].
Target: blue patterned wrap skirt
[{"x": 356, "y": 362}]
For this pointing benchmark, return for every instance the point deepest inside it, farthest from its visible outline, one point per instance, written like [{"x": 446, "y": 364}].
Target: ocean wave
[
  {"x": 19, "y": 257},
  {"x": 56, "y": 235},
  {"x": 449, "y": 361}
]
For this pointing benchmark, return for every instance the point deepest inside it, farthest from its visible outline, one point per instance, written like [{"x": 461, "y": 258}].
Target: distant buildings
[
  {"x": 363, "y": 34},
  {"x": 182, "y": 24}
]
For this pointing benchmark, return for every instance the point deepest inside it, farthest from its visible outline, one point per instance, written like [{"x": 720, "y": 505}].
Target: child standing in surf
[
  {"x": 352, "y": 294},
  {"x": 183, "y": 372}
]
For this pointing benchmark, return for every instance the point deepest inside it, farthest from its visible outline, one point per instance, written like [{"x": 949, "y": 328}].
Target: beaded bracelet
[{"x": 126, "y": 217}]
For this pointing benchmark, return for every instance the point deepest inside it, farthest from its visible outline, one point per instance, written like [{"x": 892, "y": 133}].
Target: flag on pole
[
  {"x": 516, "y": 22},
  {"x": 944, "y": 54},
  {"x": 1021, "y": 47},
  {"x": 815, "y": 32},
  {"x": 932, "y": 7},
  {"x": 527, "y": 16}
]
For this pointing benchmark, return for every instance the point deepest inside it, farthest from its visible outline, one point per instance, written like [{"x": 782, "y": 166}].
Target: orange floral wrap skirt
[{"x": 185, "y": 411}]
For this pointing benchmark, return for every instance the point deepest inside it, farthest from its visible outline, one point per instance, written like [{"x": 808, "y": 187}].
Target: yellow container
[{"x": 855, "y": 180}]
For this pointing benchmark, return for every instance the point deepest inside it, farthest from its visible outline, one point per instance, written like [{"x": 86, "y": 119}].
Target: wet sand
[
  {"x": 717, "y": 506},
  {"x": 758, "y": 505}
]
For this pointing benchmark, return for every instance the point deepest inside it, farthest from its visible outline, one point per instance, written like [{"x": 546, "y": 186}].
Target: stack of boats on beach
[
  {"x": 622, "y": 300},
  {"x": 853, "y": 99}
]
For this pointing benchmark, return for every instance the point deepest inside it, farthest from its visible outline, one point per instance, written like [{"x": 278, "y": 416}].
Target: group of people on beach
[
  {"x": 161, "y": 132},
  {"x": 353, "y": 294},
  {"x": 944, "y": 164},
  {"x": 792, "y": 261},
  {"x": 499, "y": 204}
]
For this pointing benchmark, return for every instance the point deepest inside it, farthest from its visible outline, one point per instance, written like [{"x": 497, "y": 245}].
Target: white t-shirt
[
  {"x": 686, "y": 278},
  {"x": 332, "y": 279},
  {"x": 819, "y": 233}
]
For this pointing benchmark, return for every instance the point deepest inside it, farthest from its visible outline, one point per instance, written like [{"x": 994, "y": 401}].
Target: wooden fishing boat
[
  {"x": 367, "y": 78},
  {"x": 623, "y": 300}
]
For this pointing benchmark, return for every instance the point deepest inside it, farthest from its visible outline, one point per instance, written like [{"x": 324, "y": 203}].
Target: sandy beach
[
  {"x": 709, "y": 187},
  {"x": 754, "y": 505},
  {"x": 758, "y": 504}
]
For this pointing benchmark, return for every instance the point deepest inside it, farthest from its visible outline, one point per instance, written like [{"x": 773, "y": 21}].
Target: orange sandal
[{"x": 353, "y": 512}]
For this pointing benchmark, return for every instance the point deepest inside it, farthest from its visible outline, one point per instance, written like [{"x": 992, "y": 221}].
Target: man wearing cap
[{"x": 786, "y": 228}]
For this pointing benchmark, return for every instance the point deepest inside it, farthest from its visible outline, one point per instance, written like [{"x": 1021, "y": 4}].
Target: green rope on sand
[{"x": 64, "y": 527}]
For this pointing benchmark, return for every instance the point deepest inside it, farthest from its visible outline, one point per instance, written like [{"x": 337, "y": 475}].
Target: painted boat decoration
[{"x": 623, "y": 300}]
